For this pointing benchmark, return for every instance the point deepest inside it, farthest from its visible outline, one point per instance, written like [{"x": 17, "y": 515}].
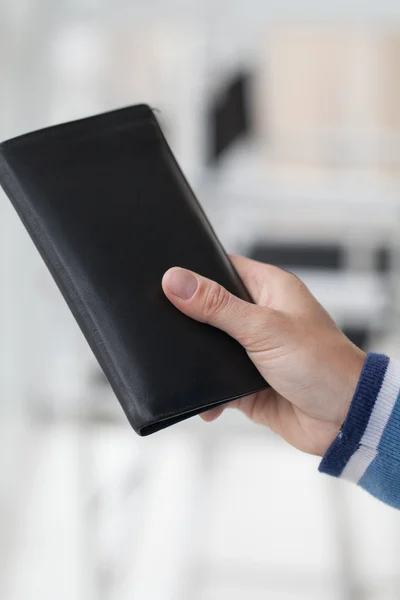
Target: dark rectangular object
[
  {"x": 384, "y": 260},
  {"x": 229, "y": 116},
  {"x": 110, "y": 211},
  {"x": 293, "y": 256}
]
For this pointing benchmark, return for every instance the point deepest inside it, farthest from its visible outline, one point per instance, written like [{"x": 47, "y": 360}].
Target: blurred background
[{"x": 285, "y": 116}]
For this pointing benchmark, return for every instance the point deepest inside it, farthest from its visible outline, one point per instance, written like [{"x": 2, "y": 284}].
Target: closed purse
[{"x": 110, "y": 211}]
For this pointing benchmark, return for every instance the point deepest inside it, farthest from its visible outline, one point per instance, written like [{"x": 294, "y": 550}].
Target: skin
[{"x": 312, "y": 367}]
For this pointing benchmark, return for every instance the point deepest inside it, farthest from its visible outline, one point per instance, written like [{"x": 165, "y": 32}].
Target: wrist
[
  {"x": 362, "y": 432},
  {"x": 347, "y": 375},
  {"x": 352, "y": 367}
]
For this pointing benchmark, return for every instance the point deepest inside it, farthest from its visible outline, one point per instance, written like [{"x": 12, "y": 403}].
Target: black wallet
[{"x": 110, "y": 211}]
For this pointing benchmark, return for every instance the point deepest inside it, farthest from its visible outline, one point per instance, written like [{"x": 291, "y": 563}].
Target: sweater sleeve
[{"x": 367, "y": 449}]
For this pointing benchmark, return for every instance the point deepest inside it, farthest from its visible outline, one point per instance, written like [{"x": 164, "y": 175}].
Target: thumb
[{"x": 209, "y": 302}]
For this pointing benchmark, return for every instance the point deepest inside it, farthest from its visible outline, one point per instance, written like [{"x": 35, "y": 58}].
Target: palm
[
  {"x": 283, "y": 418},
  {"x": 291, "y": 423}
]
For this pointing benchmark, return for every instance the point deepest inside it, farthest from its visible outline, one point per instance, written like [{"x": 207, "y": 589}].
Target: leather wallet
[{"x": 109, "y": 210}]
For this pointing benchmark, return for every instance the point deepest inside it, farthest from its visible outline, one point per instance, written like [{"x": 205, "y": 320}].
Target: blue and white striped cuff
[{"x": 372, "y": 427}]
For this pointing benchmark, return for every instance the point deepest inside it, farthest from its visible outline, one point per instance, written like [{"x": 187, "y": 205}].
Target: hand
[{"x": 311, "y": 366}]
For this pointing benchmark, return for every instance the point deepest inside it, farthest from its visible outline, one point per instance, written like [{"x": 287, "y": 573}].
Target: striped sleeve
[{"x": 367, "y": 449}]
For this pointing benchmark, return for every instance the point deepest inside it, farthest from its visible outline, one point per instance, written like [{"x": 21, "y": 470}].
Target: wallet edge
[{"x": 164, "y": 421}]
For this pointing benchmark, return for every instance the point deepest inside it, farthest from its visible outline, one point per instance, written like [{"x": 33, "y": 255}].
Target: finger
[
  {"x": 213, "y": 414},
  {"x": 260, "y": 408},
  {"x": 209, "y": 302}
]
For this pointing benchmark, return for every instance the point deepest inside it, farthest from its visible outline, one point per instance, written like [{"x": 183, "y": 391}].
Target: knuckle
[
  {"x": 296, "y": 283},
  {"x": 216, "y": 300}
]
